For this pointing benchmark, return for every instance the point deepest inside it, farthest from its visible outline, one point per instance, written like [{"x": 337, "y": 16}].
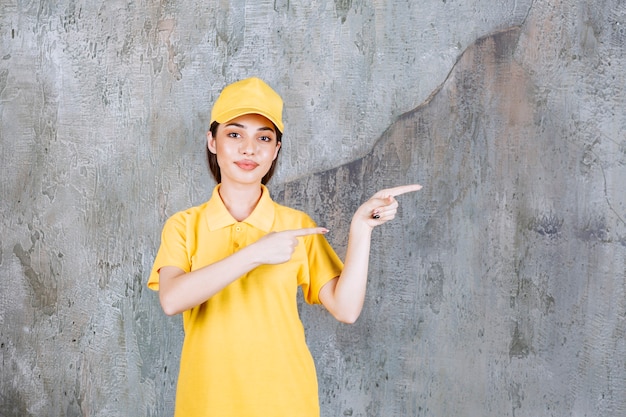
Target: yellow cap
[{"x": 248, "y": 96}]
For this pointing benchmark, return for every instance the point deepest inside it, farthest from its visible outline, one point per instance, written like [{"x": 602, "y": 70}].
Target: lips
[{"x": 246, "y": 165}]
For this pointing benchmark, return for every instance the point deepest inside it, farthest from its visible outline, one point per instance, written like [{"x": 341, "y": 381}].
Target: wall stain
[
  {"x": 166, "y": 27},
  {"x": 516, "y": 395},
  {"x": 40, "y": 272},
  {"x": 519, "y": 347},
  {"x": 595, "y": 230},
  {"x": 530, "y": 296},
  {"x": 4, "y": 75},
  {"x": 434, "y": 287},
  {"x": 548, "y": 225},
  {"x": 617, "y": 27},
  {"x": 12, "y": 404},
  {"x": 106, "y": 269},
  {"x": 343, "y": 8}
]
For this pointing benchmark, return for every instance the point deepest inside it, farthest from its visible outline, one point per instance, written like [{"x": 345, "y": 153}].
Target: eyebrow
[{"x": 264, "y": 128}]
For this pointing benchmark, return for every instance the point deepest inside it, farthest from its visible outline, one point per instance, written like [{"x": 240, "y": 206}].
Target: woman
[{"x": 232, "y": 266}]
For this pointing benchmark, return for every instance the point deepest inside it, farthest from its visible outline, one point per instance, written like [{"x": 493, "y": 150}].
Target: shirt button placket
[{"x": 237, "y": 236}]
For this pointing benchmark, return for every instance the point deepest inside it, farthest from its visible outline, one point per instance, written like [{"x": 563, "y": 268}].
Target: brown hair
[{"x": 215, "y": 168}]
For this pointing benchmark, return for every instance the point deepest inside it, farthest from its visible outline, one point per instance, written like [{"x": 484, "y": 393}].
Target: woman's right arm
[{"x": 180, "y": 291}]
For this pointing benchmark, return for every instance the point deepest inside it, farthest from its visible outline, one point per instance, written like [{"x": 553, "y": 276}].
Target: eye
[
  {"x": 265, "y": 138},
  {"x": 234, "y": 135}
]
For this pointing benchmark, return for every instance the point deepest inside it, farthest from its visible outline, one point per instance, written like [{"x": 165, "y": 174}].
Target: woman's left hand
[{"x": 382, "y": 206}]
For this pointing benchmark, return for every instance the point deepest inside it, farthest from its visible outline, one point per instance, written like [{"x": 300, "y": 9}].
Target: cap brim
[{"x": 234, "y": 113}]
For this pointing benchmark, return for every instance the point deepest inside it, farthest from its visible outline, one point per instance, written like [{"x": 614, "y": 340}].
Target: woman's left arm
[{"x": 344, "y": 295}]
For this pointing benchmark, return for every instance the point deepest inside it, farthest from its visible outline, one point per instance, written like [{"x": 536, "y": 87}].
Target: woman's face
[{"x": 245, "y": 148}]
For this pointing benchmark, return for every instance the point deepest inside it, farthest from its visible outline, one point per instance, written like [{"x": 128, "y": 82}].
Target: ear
[
  {"x": 278, "y": 144},
  {"x": 210, "y": 140}
]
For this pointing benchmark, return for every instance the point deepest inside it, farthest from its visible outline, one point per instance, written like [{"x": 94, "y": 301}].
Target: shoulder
[{"x": 186, "y": 217}]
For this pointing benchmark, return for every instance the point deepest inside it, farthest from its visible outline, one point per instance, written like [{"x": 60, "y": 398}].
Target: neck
[{"x": 240, "y": 200}]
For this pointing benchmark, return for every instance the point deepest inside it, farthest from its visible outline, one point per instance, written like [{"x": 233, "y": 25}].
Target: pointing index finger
[
  {"x": 308, "y": 231},
  {"x": 402, "y": 189}
]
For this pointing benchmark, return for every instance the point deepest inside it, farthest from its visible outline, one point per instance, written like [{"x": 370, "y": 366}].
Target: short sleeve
[
  {"x": 173, "y": 250},
  {"x": 323, "y": 266}
]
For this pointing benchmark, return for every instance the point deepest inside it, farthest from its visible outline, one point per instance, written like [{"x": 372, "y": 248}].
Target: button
[{"x": 238, "y": 228}]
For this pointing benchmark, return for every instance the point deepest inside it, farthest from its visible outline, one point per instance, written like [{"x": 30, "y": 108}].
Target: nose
[{"x": 248, "y": 146}]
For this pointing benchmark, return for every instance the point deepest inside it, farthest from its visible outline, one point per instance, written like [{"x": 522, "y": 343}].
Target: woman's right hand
[{"x": 278, "y": 247}]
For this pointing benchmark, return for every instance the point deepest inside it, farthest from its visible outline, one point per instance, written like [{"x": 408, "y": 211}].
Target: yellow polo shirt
[{"x": 244, "y": 352}]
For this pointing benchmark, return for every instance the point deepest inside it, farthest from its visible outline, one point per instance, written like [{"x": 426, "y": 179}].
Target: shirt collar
[{"x": 262, "y": 217}]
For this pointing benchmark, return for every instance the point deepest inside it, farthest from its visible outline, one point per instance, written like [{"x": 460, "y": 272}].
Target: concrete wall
[{"x": 498, "y": 291}]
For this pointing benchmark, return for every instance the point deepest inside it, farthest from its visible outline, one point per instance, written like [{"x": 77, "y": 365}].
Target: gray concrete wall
[{"x": 498, "y": 291}]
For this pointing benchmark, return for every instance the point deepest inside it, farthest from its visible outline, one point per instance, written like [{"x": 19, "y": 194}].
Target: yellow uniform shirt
[{"x": 244, "y": 352}]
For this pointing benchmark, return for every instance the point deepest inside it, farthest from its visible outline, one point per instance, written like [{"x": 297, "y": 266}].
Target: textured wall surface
[{"x": 500, "y": 289}]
